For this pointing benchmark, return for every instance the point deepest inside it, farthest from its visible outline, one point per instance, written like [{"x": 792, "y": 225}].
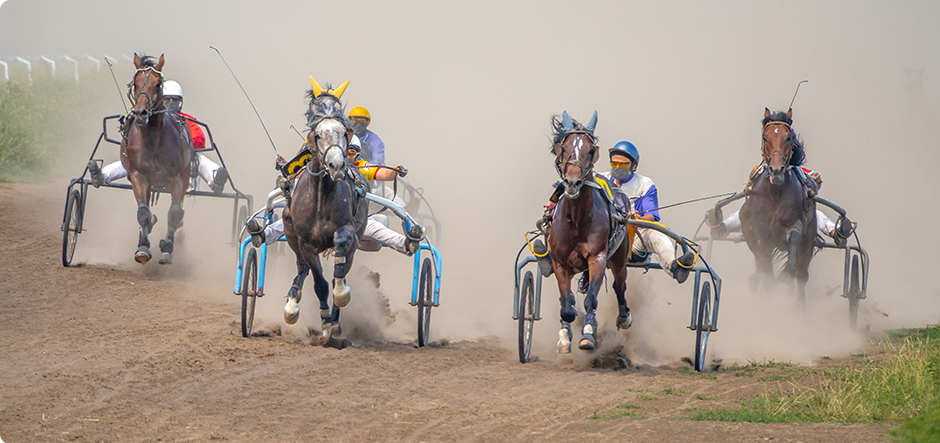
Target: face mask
[
  {"x": 621, "y": 174},
  {"x": 173, "y": 106},
  {"x": 359, "y": 129}
]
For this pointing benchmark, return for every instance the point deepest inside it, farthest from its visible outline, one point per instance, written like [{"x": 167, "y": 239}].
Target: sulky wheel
[
  {"x": 249, "y": 290},
  {"x": 70, "y": 226},
  {"x": 704, "y": 326},
  {"x": 425, "y": 303},
  {"x": 855, "y": 293},
  {"x": 526, "y": 317}
]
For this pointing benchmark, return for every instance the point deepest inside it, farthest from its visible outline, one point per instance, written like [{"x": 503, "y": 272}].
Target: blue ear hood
[
  {"x": 566, "y": 123},
  {"x": 591, "y": 124}
]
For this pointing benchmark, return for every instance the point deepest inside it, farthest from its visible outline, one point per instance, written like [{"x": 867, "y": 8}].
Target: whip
[{"x": 246, "y": 96}]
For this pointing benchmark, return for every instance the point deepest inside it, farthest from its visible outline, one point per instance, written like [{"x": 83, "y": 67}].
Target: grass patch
[
  {"x": 639, "y": 390},
  {"x": 673, "y": 391},
  {"x": 775, "y": 378},
  {"x": 702, "y": 397},
  {"x": 645, "y": 397},
  {"x": 627, "y": 406},
  {"x": 635, "y": 415},
  {"x": 903, "y": 386},
  {"x": 42, "y": 121}
]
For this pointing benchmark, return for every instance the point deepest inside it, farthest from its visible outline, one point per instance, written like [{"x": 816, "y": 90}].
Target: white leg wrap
[{"x": 588, "y": 329}]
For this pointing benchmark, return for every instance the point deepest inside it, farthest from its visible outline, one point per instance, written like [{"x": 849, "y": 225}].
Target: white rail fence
[{"x": 17, "y": 67}]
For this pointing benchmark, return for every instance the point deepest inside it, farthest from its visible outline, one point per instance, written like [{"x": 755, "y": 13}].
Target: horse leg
[
  {"x": 596, "y": 267},
  {"x": 568, "y": 311},
  {"x": 292, "y": 308},
  {"x": 174, "y": 221},
  {"x": 624, "y": 319},
  {"x": 344, "y": 244},
  {"x": 794, "y": 238},
  {"x": 144, "y": 216},
  {"x": 322, "y": 287}
]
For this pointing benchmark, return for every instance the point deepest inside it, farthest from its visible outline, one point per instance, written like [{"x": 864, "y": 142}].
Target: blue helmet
[{"x": 628, "y": 149}]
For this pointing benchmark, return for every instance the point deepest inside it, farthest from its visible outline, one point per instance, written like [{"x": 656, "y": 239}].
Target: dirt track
[{"x": 95, "y": 353}]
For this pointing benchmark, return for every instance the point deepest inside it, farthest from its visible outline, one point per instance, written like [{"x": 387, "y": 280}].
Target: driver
[
  {"x": 373, "y": 149},
  {"x": 374, "y": 230},
  {"x": 213, "y": 174}
]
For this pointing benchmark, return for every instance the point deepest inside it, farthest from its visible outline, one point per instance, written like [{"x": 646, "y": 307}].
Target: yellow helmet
[{"x": 359, "y": 111}]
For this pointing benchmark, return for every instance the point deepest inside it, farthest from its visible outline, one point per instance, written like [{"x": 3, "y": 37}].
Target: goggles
[
  {"x": 625, "y": 165},
  {"x": 358, "y": 119}
]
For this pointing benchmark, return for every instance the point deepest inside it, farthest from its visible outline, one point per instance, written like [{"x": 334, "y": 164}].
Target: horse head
[
  {"x": 329, "y": 132},
  {"x": 146, "y": 89},
  {"x": 575, "y": 149},
  {"x": 780, "y": 147}
]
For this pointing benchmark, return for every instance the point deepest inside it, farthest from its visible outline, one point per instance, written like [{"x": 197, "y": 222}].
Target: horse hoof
[
  {"x": 587, "y": 343},
  {"x": 143, "y": 255},
  {"x": 341, "y": 295},
  {"x": 624, "y": 322},
  {"x": 291, "y": 311},
  {"x": 166, "y": 259}
]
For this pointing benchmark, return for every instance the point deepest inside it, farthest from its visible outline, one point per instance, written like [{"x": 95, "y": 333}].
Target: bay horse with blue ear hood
[
  {"x": 326, "y": 209},
  {"x": 588, "y": 233}
]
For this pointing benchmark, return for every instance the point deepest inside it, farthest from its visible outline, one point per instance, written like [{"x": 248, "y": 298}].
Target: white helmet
[{"x": 172, "y": 88}]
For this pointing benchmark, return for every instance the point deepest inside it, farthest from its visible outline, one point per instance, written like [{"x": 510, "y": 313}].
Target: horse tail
[{"x": 584, "y": 282}]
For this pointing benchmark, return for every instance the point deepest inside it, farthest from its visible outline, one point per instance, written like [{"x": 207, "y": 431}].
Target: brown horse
[
  {"x": 780, "y": 213},
  {"x": 326, "y": 210},
  {"x": 581, "y": 229},
  {"x": 157, "y": 152}
]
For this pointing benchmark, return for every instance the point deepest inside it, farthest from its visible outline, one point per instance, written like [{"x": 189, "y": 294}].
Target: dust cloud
[{"x": 462, "y": 95}]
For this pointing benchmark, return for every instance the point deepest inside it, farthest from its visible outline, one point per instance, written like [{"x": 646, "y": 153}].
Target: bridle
[
  {"x": 574, "y": 156},
  {"x": 322, "y": 155},
  {"x": 786, "y": 157},
  {"x": 151, "y": 104}
]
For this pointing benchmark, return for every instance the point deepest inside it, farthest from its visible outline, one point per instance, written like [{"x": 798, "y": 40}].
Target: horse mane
[
  {"x": 798, "y": 154},
  {"x": 148, "y": 61},
  {"x": 314, "y": 115}
]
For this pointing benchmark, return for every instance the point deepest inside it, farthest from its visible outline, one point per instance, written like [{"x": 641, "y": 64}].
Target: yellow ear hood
[
  {"x": 338, "y": 92},
  {"x": 317, "y": 90}
]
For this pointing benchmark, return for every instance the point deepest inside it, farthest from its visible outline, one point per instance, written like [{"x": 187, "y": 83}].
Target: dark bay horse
[
  {"x": 157, "y": 152},
  {"x": 581, "y": 227},
  {"x": 780, "y": 213},
  {"x": 326, "y": 209}
]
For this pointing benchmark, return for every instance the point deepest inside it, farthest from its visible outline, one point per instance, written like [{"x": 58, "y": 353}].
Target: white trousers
[
  {"x": 823, "y": 222},
  {"x": 653, "y": 241},
  {"x": 115, "y": 171},
  {"x": 374, "y": 231}
]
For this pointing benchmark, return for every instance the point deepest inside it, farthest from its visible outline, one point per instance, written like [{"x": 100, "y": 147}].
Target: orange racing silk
[{"x": 367, "y": 169}]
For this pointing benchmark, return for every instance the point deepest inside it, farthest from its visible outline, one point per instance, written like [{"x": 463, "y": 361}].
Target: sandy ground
[{"x": 116, "y": 353}]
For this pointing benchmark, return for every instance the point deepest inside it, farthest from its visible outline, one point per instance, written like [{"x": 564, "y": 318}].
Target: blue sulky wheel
[
  {"x": 425, "y": 303},
  {"x": 249, "y": 290},
  {"x": 526, "y": 317},
  {"x": 70, "y": 224},
  {"x": 704, "y": 326}
]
